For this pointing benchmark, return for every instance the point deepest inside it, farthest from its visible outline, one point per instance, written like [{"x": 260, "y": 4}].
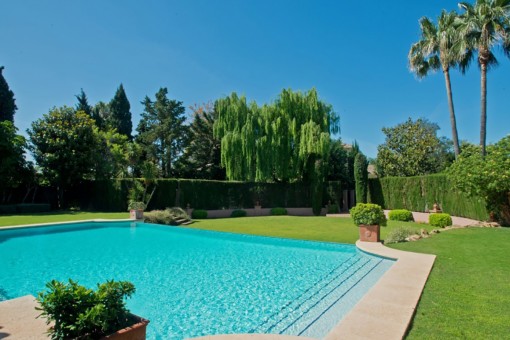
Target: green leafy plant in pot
[
  {"x": 77, "y": 312},
  {"x": 136, "y": 210},
  {"x": 368, "y": 217}
]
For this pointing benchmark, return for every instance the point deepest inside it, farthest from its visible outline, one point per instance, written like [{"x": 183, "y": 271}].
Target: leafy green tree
[
  {"x": 64, "y": 145},
  {"x": 285, "y": 141},
  {"x": 112, "y": 157},
  {"x": 337, "y": 162},
  {"x": 485, "y": 26},
  {"x": 487, "y": 177},
  {"x": 101, "y": 114},
  {"x": 361, "y": 177},
  {"x": 83, "y": 103},
  {"x": 161, "y": 131},
  {"x": 438, "y": 48},
  {"x": 412, "y": 148},
  {"x": 120, "y": 116},
  {"x": 281, "y": 142},
  {"x": 202, "y": 155},
  {"x": 7, "y": 102},
  {"x": 12, "y": 162}
]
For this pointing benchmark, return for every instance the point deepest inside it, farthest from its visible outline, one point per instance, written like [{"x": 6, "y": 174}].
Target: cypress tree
[
  {"x": 361, "y": 177},
  {"x": 83, "y": 103},
  {"x": 120, "y": 116},
  {"x": 7, "y": 102}
]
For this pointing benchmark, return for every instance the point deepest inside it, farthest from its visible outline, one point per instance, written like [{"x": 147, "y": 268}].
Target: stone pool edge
[
  {"x": 35, "y": 225},
  {"x": 387, "y": 310}
]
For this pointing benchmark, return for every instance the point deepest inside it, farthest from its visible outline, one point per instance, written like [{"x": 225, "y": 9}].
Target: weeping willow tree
[{"x": 285, "y": 141}]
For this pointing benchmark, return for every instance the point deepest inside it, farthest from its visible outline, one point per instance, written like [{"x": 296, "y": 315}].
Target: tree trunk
[
  {"x": 483, "y": 115},
  {"x": 453, "y": 121}
]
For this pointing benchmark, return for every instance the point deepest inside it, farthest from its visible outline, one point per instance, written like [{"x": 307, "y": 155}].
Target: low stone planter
[
  {"x": 137, "y": 331},
  {"x": 136, "y": 214},
  {"x": 369, "y": 233}
]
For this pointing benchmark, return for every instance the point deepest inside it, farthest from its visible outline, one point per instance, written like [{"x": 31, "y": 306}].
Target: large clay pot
[
  {"x": 369, "y": 233},
  {"x": 136, "y": 331}
]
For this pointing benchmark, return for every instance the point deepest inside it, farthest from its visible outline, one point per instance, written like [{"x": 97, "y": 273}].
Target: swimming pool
[{"x": 192, "y": 282}]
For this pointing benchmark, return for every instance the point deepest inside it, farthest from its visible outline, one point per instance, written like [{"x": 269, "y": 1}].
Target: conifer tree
[
  {"x": 7, "y": 102},
  {"x": 83, "y": 103},
  {"x": 120, "y": 116},
  {"x": 361, "y": 177},
  {"x": 161, "y": 131}
]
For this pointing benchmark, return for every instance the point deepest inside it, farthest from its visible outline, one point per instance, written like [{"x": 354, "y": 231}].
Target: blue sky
[{"x": 353, "y": 52}]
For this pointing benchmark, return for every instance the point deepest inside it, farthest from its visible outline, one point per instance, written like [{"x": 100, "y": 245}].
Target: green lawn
[
  {"x": 465, "y": 297},
  {"x": 309, "y": 228},
  {"x": 467, "y": 293},
  {"x": 10, "y": 220}
]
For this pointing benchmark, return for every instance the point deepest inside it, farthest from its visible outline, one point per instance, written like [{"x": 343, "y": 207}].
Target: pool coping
[
  {"x": 35, "y": 225},
  {"x": 385, "y": 312}
]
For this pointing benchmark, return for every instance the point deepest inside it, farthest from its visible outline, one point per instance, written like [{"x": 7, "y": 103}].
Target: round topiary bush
[
  {"x": 401, "y": 215},
  {"x": 199, "y": 214},
  {"x": 368, "y": 214},
  {"x": 440, "y": 220},
  {"x": 278, "y": 211}
]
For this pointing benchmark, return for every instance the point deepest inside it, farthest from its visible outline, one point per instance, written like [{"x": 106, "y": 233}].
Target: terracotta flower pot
[
  {"x": 136, "y": 331},
  {"x": 369, "y": 233},
  {"x": 136, "y": 214}
]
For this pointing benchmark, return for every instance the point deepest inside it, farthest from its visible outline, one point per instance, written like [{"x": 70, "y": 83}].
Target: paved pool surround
[{"x": 385, "y": 312}]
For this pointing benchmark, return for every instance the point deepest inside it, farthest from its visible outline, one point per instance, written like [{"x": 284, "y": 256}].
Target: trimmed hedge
[
  {"x": 25, "y": 208},
  {"x": 199, "y": 214},
  {"x": 440, "y": 220},
  {"x": 401, "y": 215},
  {"x": 111, "y": 195},
  {"x": 419, "y": 193},
  {"x": 278, "y": 211},
  {"x": 238, "y": 213}
]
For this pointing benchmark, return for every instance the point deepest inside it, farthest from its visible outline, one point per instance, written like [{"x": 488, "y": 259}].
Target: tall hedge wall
[
  {"x": 417, "y": 193},
  {"x": 111, "y": 195}
]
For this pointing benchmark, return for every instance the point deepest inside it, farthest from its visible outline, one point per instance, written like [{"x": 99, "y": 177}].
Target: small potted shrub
[
  {"x": 136, "y": 210},
  {"x": 368, "y": 217},
  {"x": 77, "y": 312}
]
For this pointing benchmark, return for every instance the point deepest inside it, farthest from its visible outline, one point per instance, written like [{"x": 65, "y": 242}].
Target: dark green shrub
[
  {"x": 278, "y": 211},
  {"x": 368, "y": 214},
  {"x": 400, "y": 234},
  {"x": 199, "y": 214},
  {"x": 440, "y": 220},
  {"x": 401, "y": 215},
  {"x": 333, "y": 209},
  {"x": 79, "y": 312},
  {"x": 238, "y": 213}
]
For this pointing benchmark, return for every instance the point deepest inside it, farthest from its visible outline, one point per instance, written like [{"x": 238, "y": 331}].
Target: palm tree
[
  {"x": 485, "y": 26},
  {"x": 439, "y": 48}
]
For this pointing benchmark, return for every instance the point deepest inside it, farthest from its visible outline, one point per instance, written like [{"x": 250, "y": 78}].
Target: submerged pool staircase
[{"x": 297, "y": 316}]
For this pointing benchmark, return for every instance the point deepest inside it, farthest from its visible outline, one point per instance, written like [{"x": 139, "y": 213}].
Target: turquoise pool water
[{"x": 191, "y": 282}]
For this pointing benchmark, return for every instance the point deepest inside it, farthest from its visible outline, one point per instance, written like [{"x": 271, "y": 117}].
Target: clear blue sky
[{"x": 353, "y": 52}]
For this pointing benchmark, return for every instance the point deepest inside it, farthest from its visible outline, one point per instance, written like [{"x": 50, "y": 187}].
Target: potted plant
[
  {"x": 368, "y": 217},
  {"x": 136, "y": 210},
  {"x": 77, "y": 312}
]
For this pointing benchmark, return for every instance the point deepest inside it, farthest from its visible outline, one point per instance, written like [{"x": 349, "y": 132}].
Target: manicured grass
[
  {"x": 62, "y": 216},
  {"x": 467, "y": 293},
  {"x": 327, "y": 229}
]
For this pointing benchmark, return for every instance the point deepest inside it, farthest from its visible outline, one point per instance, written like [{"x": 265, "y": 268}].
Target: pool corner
[{"x": 386, "y": 311}]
